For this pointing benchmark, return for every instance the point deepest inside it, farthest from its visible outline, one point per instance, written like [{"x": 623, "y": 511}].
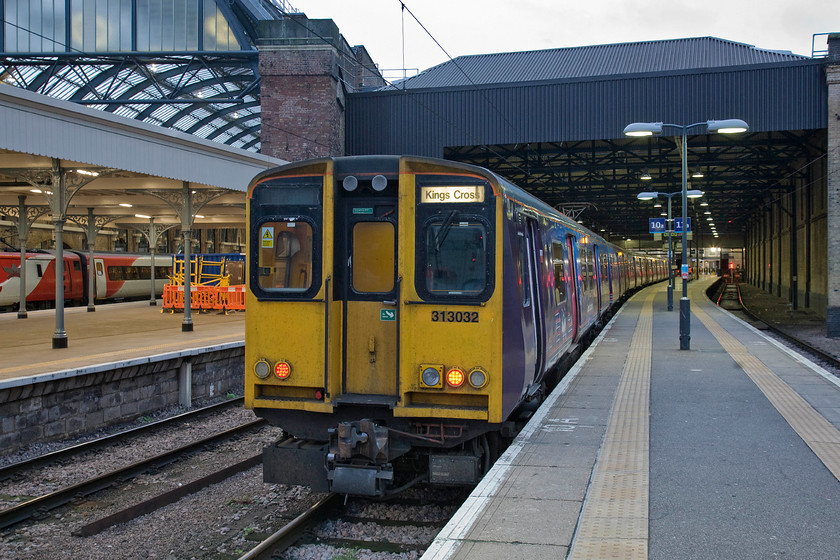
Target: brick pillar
[
  {"x": 833, "y": 204},
  {"x": 301, "y": 91}
]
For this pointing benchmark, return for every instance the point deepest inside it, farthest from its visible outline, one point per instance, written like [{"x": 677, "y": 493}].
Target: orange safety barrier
[
  {"x": 231, "y": 298},
  {"x": 205, "y": 298},
  {"x": 173, "y": 298}
]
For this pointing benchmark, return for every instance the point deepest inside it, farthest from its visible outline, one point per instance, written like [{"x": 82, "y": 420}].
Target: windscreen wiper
[{"x": 444, "y": 229}]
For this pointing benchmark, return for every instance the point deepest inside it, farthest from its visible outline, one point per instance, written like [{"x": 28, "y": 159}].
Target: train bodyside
[
  {"x": 40, "y": 278},
  {"x": 117, "y": 276},
  {"x": 402, "y": 310}
]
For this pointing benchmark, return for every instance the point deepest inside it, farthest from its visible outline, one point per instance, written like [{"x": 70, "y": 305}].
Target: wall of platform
[{"x": 57, "y": 407}]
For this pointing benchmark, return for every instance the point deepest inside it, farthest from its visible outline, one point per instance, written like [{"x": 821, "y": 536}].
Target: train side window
[
  {"x": 99, "y": 269},
  {"x": 584, "y": 268},
  {"x": 40, "y": 270},
  {"x": 559, "y": 272},
  {"x": 285, "y": 256},
  {"x": 373, "y": 257},
  {"x": 524, "y": 270},
  {"x": 456, "y": 258}
]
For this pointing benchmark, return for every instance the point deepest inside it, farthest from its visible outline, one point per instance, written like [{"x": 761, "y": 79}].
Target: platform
[
  {"x": 728, "y": 450},
  {"x": 115, "y": 332}
]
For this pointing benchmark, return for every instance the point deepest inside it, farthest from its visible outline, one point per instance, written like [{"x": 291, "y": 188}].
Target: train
[
  {"x": 406, "y": 315},
  {"x": 118, "y": 276}
]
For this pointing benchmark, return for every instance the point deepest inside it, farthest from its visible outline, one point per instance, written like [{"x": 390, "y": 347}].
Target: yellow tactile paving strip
[
  {"x": 820, "y": 435},
  {"x": 614, "y": 521}
]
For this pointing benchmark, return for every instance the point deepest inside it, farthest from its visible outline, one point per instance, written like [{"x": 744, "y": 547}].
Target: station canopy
[{"x": 188, "y": 65}]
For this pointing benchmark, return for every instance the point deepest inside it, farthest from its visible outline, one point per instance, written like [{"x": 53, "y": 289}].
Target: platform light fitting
[
  {"x": 728, "y": 126},
  {"x": 643, "y": 129},
  {"x": 650, "y": 195}
]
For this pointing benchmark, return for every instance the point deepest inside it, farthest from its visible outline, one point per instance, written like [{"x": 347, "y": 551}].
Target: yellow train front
[{"x": 377, "y": 335}]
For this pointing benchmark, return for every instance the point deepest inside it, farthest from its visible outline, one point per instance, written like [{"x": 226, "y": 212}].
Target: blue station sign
[{"x": 660, "y": 225}]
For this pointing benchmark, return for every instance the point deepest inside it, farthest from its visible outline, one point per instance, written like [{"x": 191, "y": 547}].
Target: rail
[
  {"x": 292, "y": 531},
  {"x": 36, "y": 506},
  {"x": 8, "y": 471}
]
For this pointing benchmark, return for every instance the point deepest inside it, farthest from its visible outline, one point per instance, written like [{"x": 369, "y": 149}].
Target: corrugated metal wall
[{"x": 787, "y": 96}]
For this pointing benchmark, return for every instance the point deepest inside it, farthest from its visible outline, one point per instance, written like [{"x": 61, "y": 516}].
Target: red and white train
[{"x": 117, "y": 276}]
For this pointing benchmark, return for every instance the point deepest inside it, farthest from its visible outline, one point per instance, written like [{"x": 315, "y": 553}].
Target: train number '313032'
[{"x": 455, "y": 316}]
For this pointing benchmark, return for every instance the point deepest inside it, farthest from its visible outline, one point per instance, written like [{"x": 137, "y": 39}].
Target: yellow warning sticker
[{"x": 267, "y": 237}]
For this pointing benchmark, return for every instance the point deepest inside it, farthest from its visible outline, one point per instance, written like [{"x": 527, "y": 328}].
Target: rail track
[
  {"x": 11, "y": 470},
  {"x": 731, "y": 300},
  {"x": 338, "y": 527},
  {"x": 38, "y": 506}
]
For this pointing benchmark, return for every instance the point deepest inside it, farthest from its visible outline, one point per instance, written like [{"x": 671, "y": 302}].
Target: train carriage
[
  {"x": 117, "y": 276},
  {"x": 401, "y": 312}
]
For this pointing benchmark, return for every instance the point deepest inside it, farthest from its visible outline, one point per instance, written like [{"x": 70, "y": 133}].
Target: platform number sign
[
  {"x": 657, "y": 225},
  {"x": 678, "y": 224},
  {"x": 267, "y": 237},
  {"x": 660, "y": 225}
]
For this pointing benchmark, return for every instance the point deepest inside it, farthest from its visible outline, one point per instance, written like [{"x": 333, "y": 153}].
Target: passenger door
[
  {"x": 370, "y": 297},
  {"x": 574, "y": 285}
]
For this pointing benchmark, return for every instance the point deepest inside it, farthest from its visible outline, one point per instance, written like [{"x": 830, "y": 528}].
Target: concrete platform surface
[
  {"x": 114, "y": 332},
  {"x": 728, "y": 450}
]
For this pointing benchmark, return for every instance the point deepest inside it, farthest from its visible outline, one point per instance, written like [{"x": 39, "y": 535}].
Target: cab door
[{"x": 370, "y": 298}]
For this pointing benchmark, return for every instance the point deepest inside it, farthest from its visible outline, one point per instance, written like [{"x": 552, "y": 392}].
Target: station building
[{"x": 257, "y": 76}]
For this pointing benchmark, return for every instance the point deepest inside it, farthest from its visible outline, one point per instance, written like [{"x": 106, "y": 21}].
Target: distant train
[
  {"x": 117, "y": 276},
  {"x": 403, "y": 312}
]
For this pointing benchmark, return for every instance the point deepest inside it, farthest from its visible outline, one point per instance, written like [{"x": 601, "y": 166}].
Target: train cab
[{"x": 401, "y": 310}]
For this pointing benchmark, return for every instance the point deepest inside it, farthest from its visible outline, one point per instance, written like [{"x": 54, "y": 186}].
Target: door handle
[{"x": 390, "y": 302}]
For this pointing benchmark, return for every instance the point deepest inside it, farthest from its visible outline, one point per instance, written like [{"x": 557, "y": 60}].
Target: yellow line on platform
[
  {"x": 614, "y": 521},
  {"x": 820, "y": 435}
]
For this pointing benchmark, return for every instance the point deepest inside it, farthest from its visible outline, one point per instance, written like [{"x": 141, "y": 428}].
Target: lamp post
[
  {"x": 669, "y": 230},
  {"x": 727, "y": 126}
]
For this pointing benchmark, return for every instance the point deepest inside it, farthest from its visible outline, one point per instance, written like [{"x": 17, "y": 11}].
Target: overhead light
[
  {"x": 707, "y": 212},
  {"x": 643, "y": 129},
  {"x": 36, "y": 191},
  {"x": 647, "y": 195},
  {"x": 697, "y": 174},
  {"x": 645, "y": 176},
  {"x": 199, "y": 216},
  {"x": 704, "y": 203},
  {"x": 693, "y": 194},
  {"x": 728, "y": 126},
  {"x": 658, "y": 205},
  {"x": 126, "y": 205},
  {"x": 88, "y": 173},
  {"x": 142, "y": 216}
]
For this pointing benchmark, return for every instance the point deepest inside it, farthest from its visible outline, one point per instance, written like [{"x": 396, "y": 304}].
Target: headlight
[
  {"x": 262, "y": 368},
  {"x": 431, "y": 375},
  {"x": 478, "y": 378}
]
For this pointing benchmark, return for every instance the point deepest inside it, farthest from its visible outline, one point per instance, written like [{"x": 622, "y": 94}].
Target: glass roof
[{"x": 208, "y": 86}]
